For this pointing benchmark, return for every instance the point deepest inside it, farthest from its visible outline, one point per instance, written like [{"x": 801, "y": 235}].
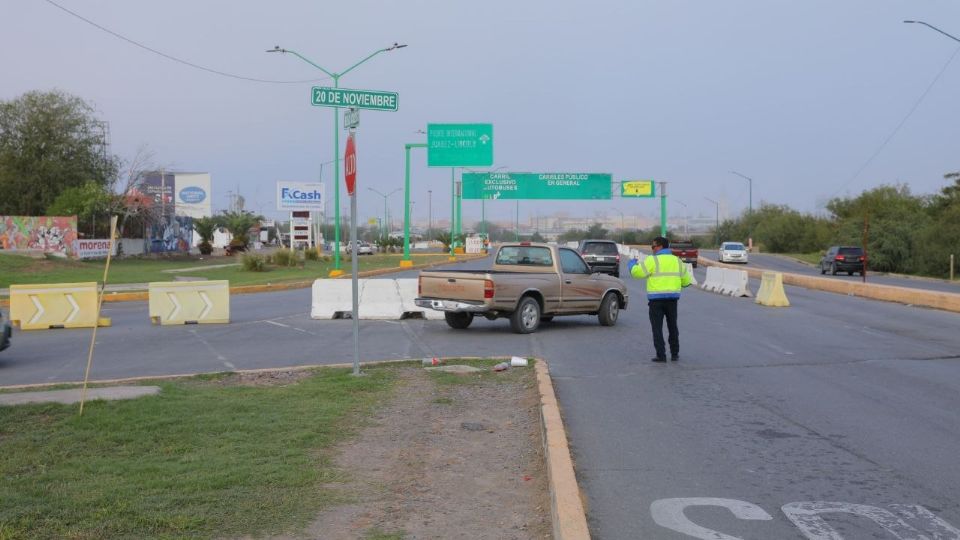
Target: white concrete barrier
[
  {"x": 713, "y": 280},
  {"x": 331, "y": 298},
  {"x": 379, "y": 299},
  {"x": 408, "y": 293},
  {"x": 734, "y": 283},
  {"x": 693, "y": 277}
]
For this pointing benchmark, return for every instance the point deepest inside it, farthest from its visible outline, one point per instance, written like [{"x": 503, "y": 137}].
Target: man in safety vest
[{"x": 666, "y": 274}]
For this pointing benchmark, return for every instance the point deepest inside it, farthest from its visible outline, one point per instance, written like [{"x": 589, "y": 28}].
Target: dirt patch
[{"x": 449, "y": 456}]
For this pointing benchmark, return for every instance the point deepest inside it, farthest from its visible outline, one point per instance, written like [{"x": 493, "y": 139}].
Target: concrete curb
[
  {"x": 273, "y": 287},
  {"x": 566, "y": 507},
  {"x": 888, "y": 293}
]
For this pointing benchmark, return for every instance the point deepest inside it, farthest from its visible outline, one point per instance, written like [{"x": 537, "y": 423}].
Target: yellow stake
[{"x": 93, "y": 338}]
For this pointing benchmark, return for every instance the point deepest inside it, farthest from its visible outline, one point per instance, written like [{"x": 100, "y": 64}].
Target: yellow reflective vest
[{"x": 665, "y": 273}]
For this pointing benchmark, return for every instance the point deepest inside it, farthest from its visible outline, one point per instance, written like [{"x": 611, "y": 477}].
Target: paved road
[
  {"x": 773, "y": 416},
  {"x": 786, "y": 264}
]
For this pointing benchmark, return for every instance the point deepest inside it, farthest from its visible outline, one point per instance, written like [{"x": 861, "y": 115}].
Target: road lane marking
[
  {"x": 668, "y": 513},
  {"x": 806, "y": 516}
]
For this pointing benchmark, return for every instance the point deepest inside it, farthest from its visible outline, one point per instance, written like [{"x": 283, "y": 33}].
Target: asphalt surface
[
  {"x": 787, "y": 264},
  {"x": 835, "y": 414}
]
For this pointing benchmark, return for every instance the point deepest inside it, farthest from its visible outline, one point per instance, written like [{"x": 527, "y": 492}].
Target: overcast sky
[{"x": 798, "y": 95}]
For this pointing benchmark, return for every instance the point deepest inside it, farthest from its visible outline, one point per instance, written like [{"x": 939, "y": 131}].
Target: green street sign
[
  {"x": 638, "y": 188},
  {"x": 322, "y": 96},
  {"x": 459, "y": 145},
  {"x": 512, "y": 186}
]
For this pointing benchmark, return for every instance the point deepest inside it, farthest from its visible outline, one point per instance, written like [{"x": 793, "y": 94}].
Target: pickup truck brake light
[
  {"x": 419, "y": 285},
  {"x": 488, "y": 288},
  {"x": 839, "y": 258}
]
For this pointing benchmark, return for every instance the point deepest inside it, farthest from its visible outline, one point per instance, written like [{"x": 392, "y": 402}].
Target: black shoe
[
  {"x": 658, "y": 359},
  {"x": 675, "y": 358}
]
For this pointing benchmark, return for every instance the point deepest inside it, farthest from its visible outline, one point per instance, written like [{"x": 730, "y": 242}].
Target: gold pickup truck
[{"x": 528, "y": 283}]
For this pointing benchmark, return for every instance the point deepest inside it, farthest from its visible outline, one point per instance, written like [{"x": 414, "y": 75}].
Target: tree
[
  {"x": 239, "y": 224},
  {"x": 205, "y": 228},
  {"x": 49, "y": 142},
  {"x": 597, "y": 231},
  {"x": 90, "y": 202}
]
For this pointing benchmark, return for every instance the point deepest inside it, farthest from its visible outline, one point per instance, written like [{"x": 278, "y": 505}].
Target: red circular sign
[{"x": 350, "y": 166}]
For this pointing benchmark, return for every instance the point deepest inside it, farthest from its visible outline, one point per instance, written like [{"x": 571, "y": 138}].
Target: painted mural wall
[{"x": 50, "y": 234}]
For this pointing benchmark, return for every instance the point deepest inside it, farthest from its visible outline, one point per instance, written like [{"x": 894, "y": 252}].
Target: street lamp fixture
[
  {"x": 386, "y": 222},
  {"x": 717, "y": 228},
  {"x": 750, "y": 180},
  {"x": 336, "y": 141},
  {"x": 932, "y": 27}
]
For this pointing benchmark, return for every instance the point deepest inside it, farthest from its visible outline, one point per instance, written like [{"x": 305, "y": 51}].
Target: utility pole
[{"x": 430, "y": 213}]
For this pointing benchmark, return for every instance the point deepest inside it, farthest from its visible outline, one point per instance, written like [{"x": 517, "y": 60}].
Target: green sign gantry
[
  {"x": 512, "y": 186},
  {"x": 322, "y": 96},
  {"x": 459, "y": 145}
]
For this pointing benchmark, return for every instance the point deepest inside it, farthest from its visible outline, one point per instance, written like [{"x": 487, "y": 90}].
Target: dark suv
[
  {"x": 847, "y": 259},
  {"x": 601, "y": 256}
]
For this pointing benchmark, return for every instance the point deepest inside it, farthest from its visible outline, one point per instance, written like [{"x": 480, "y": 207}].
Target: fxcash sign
[{"x": 296, "y": 196}]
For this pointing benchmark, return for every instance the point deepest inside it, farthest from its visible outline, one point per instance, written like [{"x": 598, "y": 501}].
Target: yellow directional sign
[
  {"x": 637, "y": 188},
  {"x": 372, "y": 221},
  {"x": 189, "y": 302},
  {"x": 58, "y": 305}
]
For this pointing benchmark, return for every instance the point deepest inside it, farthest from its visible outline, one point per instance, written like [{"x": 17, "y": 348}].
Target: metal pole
[
  {"x": 336, "y": 186},
  {"x": 355, "y": 269},
  {"x": 663, "y": 208},
  {"x": 483, "y": 215},
  {"x": 518, "y": 220},
  {"x": 460, "y": 206},
  {"x": 429, "y": 213},
  {"x": 406, "y": 210},
  {"x": 453, "y": 210}
]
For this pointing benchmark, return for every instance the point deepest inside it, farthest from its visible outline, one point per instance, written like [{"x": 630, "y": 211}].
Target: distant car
[
  {"x": 733, "y": 252},
  {"x": 5, "y": 332},
  {"x": 601, "y": 256},
  {"x": 364, "y": 248},
  {"x": 847, "y": 259}
]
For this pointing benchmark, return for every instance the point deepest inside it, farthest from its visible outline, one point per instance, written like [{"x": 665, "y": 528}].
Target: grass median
[
  {"x": 20, "y": 270},
  {"x": 213, "y": 456}
]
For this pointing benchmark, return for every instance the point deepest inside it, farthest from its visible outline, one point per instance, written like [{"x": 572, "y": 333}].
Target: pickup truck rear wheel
[
  {"x": 609, "y": 310},
  {"x": 460, "y": 321},
  {"x": 526, "y": 318}
]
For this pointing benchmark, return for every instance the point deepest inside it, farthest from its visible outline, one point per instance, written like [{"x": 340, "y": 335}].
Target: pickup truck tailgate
[{"x": 452, "y": 285}]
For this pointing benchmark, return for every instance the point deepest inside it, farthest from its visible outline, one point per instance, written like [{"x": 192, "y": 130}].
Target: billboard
[
  {"x": 299, "y": 196},
  {"x": 192, "y": 195},
  {"x": 171, "y": 234},
  {"x": 50, "y": 234},
  {"x": 159, "y": 189}
]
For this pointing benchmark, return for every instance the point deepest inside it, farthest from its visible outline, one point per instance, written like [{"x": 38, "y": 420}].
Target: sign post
[{"x": 350, "y": 177}]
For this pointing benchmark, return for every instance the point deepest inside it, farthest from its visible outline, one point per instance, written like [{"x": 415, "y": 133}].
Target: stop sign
[{"x": 350, "y": 166}]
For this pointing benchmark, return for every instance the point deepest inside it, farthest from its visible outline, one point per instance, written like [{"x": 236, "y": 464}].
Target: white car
[
  {"x": 362, "y": 249},
  {"x": 733, "y": 252}
]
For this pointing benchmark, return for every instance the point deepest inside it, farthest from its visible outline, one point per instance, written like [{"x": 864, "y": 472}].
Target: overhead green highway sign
[
  {"x": 511, "y": 186},
  {"x": 459, "y": 145},
  {"x": 322, "y": 96}
]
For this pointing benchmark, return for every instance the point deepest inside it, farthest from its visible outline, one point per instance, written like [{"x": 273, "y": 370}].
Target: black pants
[{"x": 658, "y": 310}]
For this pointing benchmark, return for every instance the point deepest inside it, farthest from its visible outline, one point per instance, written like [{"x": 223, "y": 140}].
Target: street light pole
[
  {"x": 686, "y": 234},
  {"x": 621, "y": 223},
  {"x": 932, "y": 27},
  {"x": 385, "y": 220},
  {"x": 750, "y": 180},
  {"x": 716, "y": 230},
  {"x": 430, "y": 214},
  {"x": 336, "y": 141}
]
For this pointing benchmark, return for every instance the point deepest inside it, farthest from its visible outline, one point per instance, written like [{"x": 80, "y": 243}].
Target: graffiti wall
[
  {"x": 50, "y": 234},
  {"x": 172, "y": 234}
]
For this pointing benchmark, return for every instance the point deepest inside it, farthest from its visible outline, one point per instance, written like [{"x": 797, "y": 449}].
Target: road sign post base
[
  {"x": 335, "y": 273},
  {"x": 406, "y": 264},
  {"x": 452, "y": 258}
]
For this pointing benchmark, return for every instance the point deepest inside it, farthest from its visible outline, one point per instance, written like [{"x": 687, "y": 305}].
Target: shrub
[
  {"x": 285, "y": 257},
  {"x": 253, "y": 262},
  {"x": 311, "y": 255}
]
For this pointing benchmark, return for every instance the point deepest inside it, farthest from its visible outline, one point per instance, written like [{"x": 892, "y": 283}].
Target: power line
[
  {"x": 175, "y": 59},
  {"x": 900, "y": 125}
]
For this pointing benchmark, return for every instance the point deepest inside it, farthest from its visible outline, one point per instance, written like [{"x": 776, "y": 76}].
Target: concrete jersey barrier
[
  {"x": 57, "y": 305},
  {"x": 189, "y": 302}
]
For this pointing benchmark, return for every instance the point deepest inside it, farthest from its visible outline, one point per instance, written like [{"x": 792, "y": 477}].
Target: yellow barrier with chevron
[
  {"x": 771, "y": 291},
  {"x": 189, "y": 302},
  {"x": 56, "y": 305}
]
